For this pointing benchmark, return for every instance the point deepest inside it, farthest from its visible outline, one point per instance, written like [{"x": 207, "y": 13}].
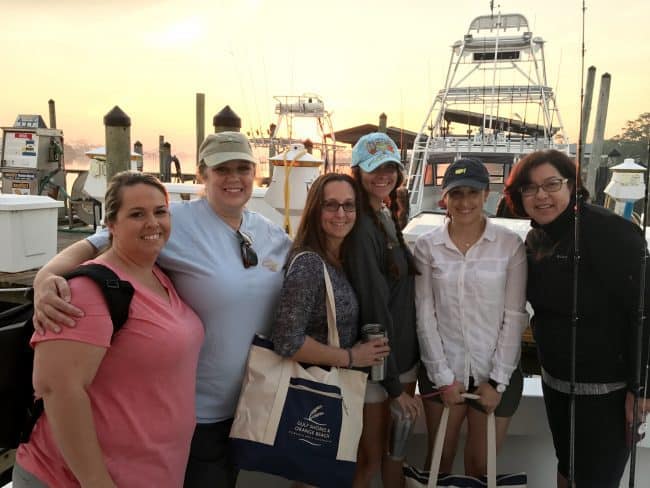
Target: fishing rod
[
  {"x": 576, "y": 264},
  {"x": 641, "y": 317}
]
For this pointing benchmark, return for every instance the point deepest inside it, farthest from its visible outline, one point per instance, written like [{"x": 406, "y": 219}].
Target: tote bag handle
[
  {"x": 330, "y": 305},
  {"x": 440, "y": 440}
]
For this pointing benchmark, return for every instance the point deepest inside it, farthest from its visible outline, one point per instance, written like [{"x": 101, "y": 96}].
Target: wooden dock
[{"x": 23, "y": 279}]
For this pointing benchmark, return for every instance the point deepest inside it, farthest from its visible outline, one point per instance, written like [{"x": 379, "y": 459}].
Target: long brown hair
[
  {"x": 393, "y": 206},
  {"x": 310, "y": 235}
]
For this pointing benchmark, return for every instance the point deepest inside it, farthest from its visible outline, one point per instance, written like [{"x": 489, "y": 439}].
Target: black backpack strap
[{"x": 117, "y": 293}]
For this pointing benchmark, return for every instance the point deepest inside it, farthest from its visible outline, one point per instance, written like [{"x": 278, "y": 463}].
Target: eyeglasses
[
  {"x": 248, "y": 255},
  {"x": 332, "y": 206},
  {"x": 549, "y": 186}
]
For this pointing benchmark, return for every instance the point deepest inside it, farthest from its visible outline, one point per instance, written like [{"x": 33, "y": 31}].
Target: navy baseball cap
[{"x": 466, "y": 172}]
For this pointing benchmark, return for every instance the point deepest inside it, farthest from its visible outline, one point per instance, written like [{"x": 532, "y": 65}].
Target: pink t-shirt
[{"x": 143, "y": 393}]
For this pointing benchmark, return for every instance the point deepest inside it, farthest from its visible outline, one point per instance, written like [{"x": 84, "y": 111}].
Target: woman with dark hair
[
  {"x": 542, "y": 186},
  {"x": 118, "y": 412},
  {"x": 300, "y": 327},
  {"x": 382, "y": 270},
  {"x": 471, "y": 313}
]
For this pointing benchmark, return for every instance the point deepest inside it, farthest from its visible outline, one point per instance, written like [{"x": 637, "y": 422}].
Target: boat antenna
[
  {"x": 641, "y": 318},
  {"x": 576, "y": 264}
]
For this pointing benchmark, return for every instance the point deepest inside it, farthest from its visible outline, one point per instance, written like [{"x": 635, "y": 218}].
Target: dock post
[
  {"x": 137, "y": 148},
  {"x": 586, "y": 107},
  {"x": 599, "y": 133},
  {"x": 118, "y": 142},
  {"x": 226, "y": 120},
  {"x": 52, "y": 108},
  {"x": 200, "y": 122},
  {"x": 161, "y": 162},
  {"x": 166, "y": 173}
]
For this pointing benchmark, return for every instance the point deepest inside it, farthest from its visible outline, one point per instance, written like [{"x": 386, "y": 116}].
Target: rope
[{"x": 287, "y": 190}]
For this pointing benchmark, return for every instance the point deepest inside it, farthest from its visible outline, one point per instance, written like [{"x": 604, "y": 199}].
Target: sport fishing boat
[
  {"x": 496, "y": 73},
  {"x": 497, "y": 106}
]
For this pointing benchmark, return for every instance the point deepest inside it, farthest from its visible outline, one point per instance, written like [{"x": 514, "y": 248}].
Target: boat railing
[
  {"x": 503, "y": 93},
  {"x": 501, "y": 21},
  {"x": 487, "y": 143}
]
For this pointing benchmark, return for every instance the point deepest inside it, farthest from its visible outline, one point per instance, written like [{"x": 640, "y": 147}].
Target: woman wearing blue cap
[
  {"x": 470, "y": 302},
  {"x": 382, "y": 270}
]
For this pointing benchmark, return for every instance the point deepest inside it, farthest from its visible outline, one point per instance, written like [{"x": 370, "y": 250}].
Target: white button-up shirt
[{"x": 470, "y": 308}]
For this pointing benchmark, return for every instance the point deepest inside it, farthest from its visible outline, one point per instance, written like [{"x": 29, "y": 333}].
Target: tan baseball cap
[{"x": 225, "y": 146}]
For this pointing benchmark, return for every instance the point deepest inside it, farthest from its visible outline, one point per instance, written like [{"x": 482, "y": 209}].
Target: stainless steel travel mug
[
  {"x": 399, "y": 432},
  {"x": 368, "y": 333}
]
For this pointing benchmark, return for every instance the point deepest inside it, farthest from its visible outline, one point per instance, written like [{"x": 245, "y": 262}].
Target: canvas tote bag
[
  {"x": 432, "y": 479},
  {"x": 300, "y": 423}
]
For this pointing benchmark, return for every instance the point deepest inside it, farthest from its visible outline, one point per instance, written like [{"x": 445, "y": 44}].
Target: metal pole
[
  {"x": 576, "y": 269},
  {"x": 118, "y": 142},
  {"x": 638, "y": 361}
]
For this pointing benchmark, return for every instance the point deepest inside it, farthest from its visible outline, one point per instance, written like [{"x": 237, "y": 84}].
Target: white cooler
[{"x": 28, "y": 226}]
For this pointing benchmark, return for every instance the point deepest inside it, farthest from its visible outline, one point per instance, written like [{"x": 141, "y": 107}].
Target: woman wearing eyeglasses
[
  {"x": 542, "y": 186},
  {"x": 381, "y": 270},
  {"x": 300, "y": 327},
  {"x": 226, "y": 263}
]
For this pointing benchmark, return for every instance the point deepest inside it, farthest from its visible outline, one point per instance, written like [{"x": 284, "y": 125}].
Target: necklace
[{"x": 464, "y": 243}]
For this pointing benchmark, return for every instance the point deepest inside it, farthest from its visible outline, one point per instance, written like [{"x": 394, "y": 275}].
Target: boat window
[
  {"x": 428, "y": 175},
  {"x": 497, "y": 172},
  {"x": 440, "y": 172},
  {"x": 489, "y": 56}
]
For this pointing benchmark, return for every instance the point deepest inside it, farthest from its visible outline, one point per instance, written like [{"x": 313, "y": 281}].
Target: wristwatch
[{"x": 499, "y": 387}]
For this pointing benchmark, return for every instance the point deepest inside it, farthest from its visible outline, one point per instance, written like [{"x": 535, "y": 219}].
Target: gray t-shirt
[{"x": 202, "y": 257}]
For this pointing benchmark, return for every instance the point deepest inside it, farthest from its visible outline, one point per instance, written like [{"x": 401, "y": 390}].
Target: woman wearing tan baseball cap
[{"x": 226, "y": 263}]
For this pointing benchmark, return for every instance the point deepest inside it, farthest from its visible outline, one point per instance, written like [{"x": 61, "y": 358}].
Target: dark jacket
[
  {"x": 382, "y": 298},
  {"x": 611, "y": 251}
]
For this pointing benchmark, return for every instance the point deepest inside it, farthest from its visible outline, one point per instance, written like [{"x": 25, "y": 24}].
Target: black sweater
[
  {"x": 382, "y": 298},
  {"x": 608, "y": 291}
]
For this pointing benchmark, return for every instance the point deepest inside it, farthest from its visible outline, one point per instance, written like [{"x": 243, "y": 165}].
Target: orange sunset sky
[{"x": 151, "y": 57}]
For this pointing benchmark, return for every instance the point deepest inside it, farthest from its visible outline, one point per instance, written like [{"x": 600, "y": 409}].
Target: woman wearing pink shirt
[{"x": 118, "y": 412}]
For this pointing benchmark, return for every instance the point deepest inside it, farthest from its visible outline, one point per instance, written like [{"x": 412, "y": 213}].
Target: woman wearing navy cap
[
  {"x": 382, "y": 270},
  {"x": 470, "y": 302}
]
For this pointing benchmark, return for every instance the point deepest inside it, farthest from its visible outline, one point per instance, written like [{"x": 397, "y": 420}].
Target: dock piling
[{"x": 118, "y": 142}]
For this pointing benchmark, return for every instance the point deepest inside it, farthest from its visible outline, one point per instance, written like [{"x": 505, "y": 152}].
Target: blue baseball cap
[{"x": 373, "y": 150}]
